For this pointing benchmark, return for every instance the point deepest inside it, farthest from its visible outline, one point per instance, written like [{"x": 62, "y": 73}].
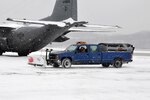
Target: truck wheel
[
  {"x": 105, "y": 65},
  {"x": 66, "y": 63},
  {"x": 55, "y": 65},
  {"x": 117, "y": 63}
]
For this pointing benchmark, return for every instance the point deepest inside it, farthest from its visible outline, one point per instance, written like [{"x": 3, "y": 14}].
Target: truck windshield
[{"x": 71, "y": 48}]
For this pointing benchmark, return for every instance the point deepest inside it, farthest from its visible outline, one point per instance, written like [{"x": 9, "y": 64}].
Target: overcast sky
[{"x": 132, "y": 15}]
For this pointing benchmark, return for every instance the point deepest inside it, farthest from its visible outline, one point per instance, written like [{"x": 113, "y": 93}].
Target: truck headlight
[{"x": 57, "y": 57}]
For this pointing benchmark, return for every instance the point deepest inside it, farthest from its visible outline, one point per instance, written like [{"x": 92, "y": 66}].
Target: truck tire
[
  {"x": 105, "y": 65},
  {"x": 66, "y": 63},
  {"x": 117, "y": 63},
  {"x": 56, "y": 65}
]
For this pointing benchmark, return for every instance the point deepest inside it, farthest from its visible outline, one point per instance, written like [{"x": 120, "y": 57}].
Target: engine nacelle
[{"x": 61, "y": 39}]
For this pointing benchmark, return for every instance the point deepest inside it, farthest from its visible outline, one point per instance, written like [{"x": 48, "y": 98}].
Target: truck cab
[{"x": 81, "y": 54}]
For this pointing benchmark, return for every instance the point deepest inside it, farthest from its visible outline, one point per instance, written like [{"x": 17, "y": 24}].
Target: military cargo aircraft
[{"x": 32, "y": 35}]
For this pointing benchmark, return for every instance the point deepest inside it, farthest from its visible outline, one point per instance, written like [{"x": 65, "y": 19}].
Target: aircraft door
[
  {"x": 3, "y": 43},
  {"x": 4, "y": 32}
]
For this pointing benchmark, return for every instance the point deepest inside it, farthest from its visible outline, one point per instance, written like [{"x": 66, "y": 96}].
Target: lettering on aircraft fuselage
[
  {"x": 66, "y": 1},
  {"x": 66, "y": 8}
]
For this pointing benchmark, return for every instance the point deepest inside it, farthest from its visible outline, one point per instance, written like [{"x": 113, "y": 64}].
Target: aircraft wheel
[
  {"x": 1, "y": 53},
  {"x": 105, "y": 65},
  {"x": 22, "y": 54},
  {"x": 117, "y": 63},
  {"x": 66, "y": 63}
]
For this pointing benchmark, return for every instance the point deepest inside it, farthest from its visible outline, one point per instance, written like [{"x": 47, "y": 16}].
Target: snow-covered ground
[{"x": 20, "y": 81}]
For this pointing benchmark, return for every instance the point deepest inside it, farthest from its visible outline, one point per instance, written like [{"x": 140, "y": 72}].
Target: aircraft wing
[
  {"x": 77, "y": 26},
  {"x": 11, "y": 26},
  {"x": 94, "y": 28},
  {"x": 102, "y": 26},
  {"x": 61, "y": 24},
  {"x": 88, "y": 30}
]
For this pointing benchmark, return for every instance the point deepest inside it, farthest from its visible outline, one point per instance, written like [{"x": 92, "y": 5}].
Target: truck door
[
  {"x": 82, "y": 55},
  {"x": 94, "y": 54}
]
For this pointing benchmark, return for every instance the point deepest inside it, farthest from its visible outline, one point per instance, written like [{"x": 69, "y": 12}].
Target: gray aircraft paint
[
  {"x": 65, "y": 10},
  {"x": 131, "y": 15},
  {"x": 28, "y": 39}
]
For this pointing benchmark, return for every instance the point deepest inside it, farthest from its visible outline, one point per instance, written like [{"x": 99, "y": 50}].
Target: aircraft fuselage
[{"x": 28, "y": 39}]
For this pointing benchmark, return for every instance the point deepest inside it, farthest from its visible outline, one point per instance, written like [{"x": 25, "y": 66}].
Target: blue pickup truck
[{"x": 80, "y": 54}]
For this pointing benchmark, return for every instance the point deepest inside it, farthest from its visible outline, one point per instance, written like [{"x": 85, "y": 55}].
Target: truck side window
[
  {"x": 82, "y": 49},
  {"x": 93, "y": 48},
  {"x": 103, "y": 48}
]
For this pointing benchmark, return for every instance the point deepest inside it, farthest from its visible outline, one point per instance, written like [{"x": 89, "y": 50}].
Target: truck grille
[{"x": 52, "y": 56}]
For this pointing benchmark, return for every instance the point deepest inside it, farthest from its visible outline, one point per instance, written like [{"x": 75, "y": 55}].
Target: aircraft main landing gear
[{"x": 22, "y": 54}]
